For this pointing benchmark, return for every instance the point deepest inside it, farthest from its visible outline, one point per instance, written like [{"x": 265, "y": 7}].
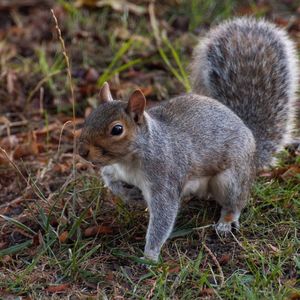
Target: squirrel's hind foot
[
  {"x": 226, "y": 222},
  {"x": 223, "y": 229}
]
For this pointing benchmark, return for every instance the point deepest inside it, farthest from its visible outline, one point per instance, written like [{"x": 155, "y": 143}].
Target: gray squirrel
[{"x": 212, "y": 141}]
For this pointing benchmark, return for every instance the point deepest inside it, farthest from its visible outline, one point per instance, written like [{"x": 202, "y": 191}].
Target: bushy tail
[{"x": 251, "y": 67}]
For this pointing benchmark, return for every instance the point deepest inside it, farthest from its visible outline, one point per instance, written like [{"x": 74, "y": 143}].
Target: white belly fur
[
  {"x": 195, "y": 186},
  {"x": 130, "y": 176}
]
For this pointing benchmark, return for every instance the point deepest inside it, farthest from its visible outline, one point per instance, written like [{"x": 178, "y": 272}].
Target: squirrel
[{"x": 212, "y": 141}]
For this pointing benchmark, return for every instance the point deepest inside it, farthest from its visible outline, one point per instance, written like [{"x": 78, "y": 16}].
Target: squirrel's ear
[
  {"x": 136, "y": 106},
  {"x": 104, "y": 94}
]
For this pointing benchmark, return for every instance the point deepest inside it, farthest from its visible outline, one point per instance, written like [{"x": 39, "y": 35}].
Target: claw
[{"x": 223, "y": 229}]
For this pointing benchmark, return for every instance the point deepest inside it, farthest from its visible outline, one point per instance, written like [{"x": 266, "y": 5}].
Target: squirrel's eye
[{"x": 117, "y": 130}]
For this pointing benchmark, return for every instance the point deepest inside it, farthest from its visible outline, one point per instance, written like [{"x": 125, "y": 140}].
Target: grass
[
  {"x": 111, "y": 70},
  {"x": 259, "y": 262},
  {"x": 73, "y": 238}
]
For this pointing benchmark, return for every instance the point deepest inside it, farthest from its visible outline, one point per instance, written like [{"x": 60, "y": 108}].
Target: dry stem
[
  {"x": 217, "y": 264},
  {"x": 62, "y": 42}
]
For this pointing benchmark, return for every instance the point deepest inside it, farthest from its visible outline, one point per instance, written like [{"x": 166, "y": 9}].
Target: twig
[
  {"x": 60, "y": 135},
  {"x": 203, "y": 227},
  {"x": 237, "y": 241},
  {"x": 151, "y": 292},
  {"x": 217, "y": 264},
  {"x": 62, "y": 42}
]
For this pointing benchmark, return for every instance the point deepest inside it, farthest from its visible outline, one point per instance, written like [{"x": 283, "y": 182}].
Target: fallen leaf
[
  {"x": 82, "y": 166},
  {"x": 58, "y": 288},
  {"x": 47, "y": 129},
  {"x": 109, "y": 276},
  {"x": 95, "y": 230},
  {"x": 38, "y": 239},
  {"x": 224, "y": 259},
  {"x": 147, "y": 90},
  {"x": 62, "y": 168},
  {"x": 3, "y": 160},
  {"x": 26, "y": 150},
  {"x": 9, "y": 142},
  {"x": 273, "y": 248},
  {"x": 174, "y": 269},
  {"x": 207, "y": 292},
  {"x": 63, "y": 236},
  {"x": 292, "y": 172},
  {"x": 294, "y": 296}
]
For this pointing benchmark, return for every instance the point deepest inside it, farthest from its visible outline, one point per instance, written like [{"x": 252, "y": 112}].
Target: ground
[{"x": 62, "y": 233}]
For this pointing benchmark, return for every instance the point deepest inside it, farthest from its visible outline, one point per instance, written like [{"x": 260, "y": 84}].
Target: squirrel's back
[{"x": 251, "y": 66}]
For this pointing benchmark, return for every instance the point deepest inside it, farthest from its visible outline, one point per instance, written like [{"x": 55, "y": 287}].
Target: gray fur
[
  {"x": 195, "y": 144},
  {"x": 251, "y": 67},
  {"x": 179, "y": 143}
]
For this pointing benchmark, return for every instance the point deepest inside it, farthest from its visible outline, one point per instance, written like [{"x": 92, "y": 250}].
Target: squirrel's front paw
[{"x": 151, "y": 255}]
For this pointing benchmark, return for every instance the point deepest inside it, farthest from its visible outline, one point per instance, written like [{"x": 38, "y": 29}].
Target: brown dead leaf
[
  {"x": 9, "y": 142},
  {"x": 3, "y": 160},
  {"x": 273, "y": 249},
  {"x": 148, "y": 90},
  {"x": 29, "y": 147},
  {"x": 62, "y": 168},
  {"x": 37, "y": 239},
  {"x": 291, "y": 172},
  {"x": 294, "y": 296},
  {"x": 109, "y": 276},
  {"x": 207, "y": 292},
  {"x": 47, "y": 129},
  {"x": 95, "y": 230},
  {"x": 82, "y": 166},
  {"x": 26, "y": 150},
  {"x": 174, "y": 270},
  {"x": 63, "y": 236},
  {"x": 58, "y": 288},
  {"x": 284, "y": 173},
  {"x": 224, "y": 259}
]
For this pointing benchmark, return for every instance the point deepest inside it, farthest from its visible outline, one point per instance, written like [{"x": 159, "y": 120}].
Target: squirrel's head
[{"x": 110, "y": 131}]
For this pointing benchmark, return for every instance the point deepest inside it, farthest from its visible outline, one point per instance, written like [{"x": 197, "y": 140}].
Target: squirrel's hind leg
[{"x": 231, "y": 190}]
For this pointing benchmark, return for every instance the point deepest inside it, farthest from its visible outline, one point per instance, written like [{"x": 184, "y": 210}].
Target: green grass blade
[
  {"x": 107, "y": 73},
  {"x": 16, "y": 248},
  {"x": 18, "y": 224},
  {"x": 175, "y": 55}
]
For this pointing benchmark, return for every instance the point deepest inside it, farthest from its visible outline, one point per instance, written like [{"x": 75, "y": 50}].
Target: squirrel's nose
[{"x": 83, "y": 151}]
